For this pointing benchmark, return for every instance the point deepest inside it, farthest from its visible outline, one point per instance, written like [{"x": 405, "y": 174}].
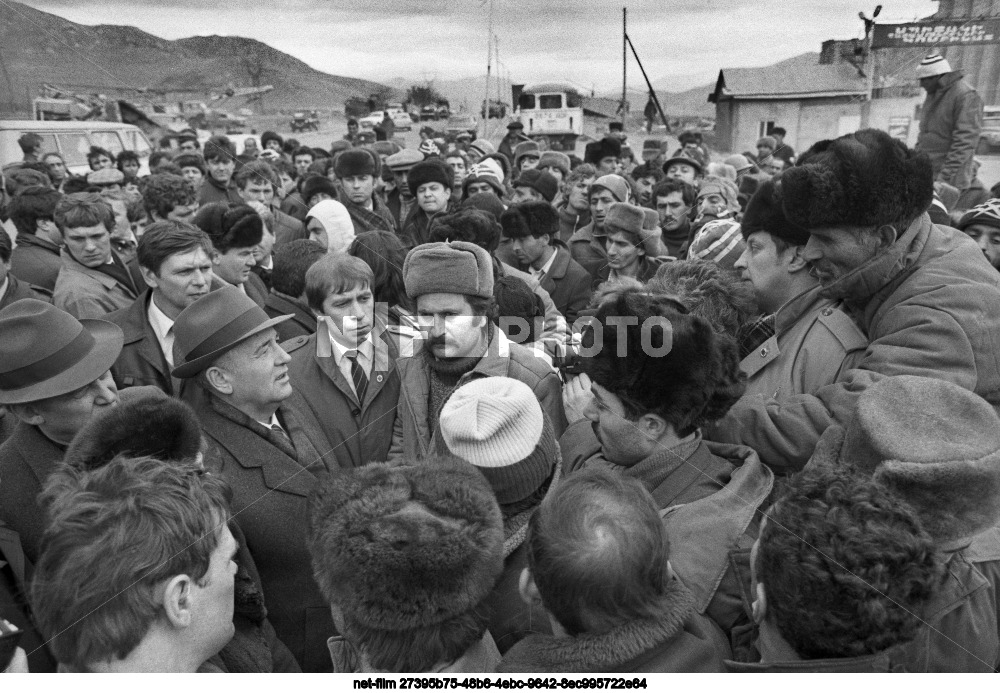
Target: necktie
[
  {"x": 280, "y": 432},
  {"x": 358, "y": 375}
]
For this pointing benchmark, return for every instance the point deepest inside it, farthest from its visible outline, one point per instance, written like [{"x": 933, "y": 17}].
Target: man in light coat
[
  {"x": 950, "y": 121},
  {"x": 925, "y": 295}
]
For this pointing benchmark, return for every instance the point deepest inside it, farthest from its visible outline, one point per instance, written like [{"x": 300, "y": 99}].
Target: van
[{"x": 72, "y": 139}]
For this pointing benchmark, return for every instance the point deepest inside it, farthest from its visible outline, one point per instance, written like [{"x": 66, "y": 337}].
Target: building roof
[{"x": 801, "y": 77}]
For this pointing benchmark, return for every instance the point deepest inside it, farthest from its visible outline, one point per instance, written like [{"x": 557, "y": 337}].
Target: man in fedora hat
[
  {"x": 265, "y": 450},
  {"x": 54, "y": 377}
]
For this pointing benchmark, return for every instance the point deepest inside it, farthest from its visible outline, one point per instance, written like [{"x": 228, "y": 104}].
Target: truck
[{"x": 552, "y": 111}]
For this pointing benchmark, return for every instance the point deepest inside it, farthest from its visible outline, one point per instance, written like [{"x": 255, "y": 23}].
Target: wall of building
[
  {"x": 748, "y": 115},
  {"x": 891, "y": 114}
]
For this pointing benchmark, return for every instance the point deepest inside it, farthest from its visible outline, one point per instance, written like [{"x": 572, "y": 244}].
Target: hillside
[{"x": 38, "y": 47}]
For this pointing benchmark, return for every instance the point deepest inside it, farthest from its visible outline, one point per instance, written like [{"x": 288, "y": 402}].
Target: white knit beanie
[{"x": 497, "y": 425}]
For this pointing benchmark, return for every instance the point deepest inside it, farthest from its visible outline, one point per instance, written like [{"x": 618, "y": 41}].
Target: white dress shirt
[
  {"x": 540, "y": 273},
  {"x": 366, "y": 355},
  {"x": 163, "y": 328}
]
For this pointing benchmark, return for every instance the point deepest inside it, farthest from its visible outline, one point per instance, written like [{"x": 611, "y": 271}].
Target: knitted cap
[
  {"x": 486, "y": 171},
  {"x": 354, "y": 162},
  {"x": 739, "y": 162},
  {"x": 541, "y": 181},
  {"x": 986, "y": 214},
  {"x": 767, "y": 141},
  {"x": 721, "y": 186},
  {"x": 480, "y": 148},
  {"x": 932, "y": 66},
  {"x": 614, "y": 184},
  {"x": 434, "y": 170},
  {"x": 497, "y": 425},
  {"x": 403, "y": 547},
  {"x": 448, "y": 268},
  {"x": 555, "y": 160},
  {"x": 719, "y": 241}
]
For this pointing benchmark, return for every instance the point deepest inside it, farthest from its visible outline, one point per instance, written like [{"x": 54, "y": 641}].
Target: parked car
[
  {"x": 498, "y": 109},
  {"x": 463, "y": 122},
  {"x": 72, "y": 139},
  {"x": 301, "y": 122},
  {"x": 401, "y": 119}
]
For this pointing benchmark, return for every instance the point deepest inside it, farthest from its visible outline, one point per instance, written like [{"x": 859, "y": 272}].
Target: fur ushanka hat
[
  {"x": 867, "y": 178},
  {"x": 764, "y": 213},
  {"x": 931, "y": 442},
  {"x": 230, "y": 227},
  {"x": 153, "y": 424},
  {"x": 405, "y": 547}
]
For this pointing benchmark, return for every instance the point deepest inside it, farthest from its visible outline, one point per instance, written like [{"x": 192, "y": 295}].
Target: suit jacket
[
  {"x": 36, "y": 261},
  {"x": 568, "y": 283},
  {"x": 141, "y": 361},
  {"x": 16, "y": 290},
  {"x": 26, "y": 460},
  {"x": 87, "y": 293},
  {"x": 271, "y": 483},
  {"x": 303, "y": 322},
  {"x": 256, "y": 289},
  {"x": 287, "y": 228},
  {"x": 356, "y": 432}
]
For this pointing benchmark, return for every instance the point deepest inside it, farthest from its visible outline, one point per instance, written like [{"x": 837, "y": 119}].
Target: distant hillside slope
[{"x": 38, "y": 47}]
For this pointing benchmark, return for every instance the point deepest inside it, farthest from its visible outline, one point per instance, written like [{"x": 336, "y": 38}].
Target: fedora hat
[
  {"x": 213, "y": 325},
  {"x": 46, "y": 352}
]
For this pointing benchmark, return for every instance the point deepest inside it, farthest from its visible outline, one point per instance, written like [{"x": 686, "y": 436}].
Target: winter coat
[
  {"x": 567, "y": 283},
  {"x": 26, "y": 460},
  {"x": 588, "y": 250},
  {"x": 15, "y": 576},
  {"x": 416, "y": 228},
  {"x": 930, "y": 306},
  {"x": 287, "y": 228},
  {"x": 708, "y": 495},
  {"x": 141, "y": 361},
  {"x": 481, "y": 658},
  {"x": 84, "y": 292},
  {"x": 294, "y": 206},
  {"x": 973, "y": 196},
  {"x": 676, "y": 640},
  {"x": 813, "y": 344},
  {"x": 554, "y": 327},
  {"x": 411, "y": 435},
  {"x": 303, "y": 322},
  {"x": 984, "y": 553},
  {"x": 271, "y": 483},
  {"x": 570, "y": 221},
  {"x": 212, "y": 191},
  {"x": 17, "y": 290},
  {"x": 356, "y": 433},
  {"x": 36, "y": 261},
  {"x": 379, "y": 218},
  {"x": 950, "y": 122}
]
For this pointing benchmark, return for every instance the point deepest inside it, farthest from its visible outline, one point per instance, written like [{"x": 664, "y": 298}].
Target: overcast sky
[{"x": 685, "y": 40}]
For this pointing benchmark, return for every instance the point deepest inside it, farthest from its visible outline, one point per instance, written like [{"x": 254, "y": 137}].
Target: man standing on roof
[{"x": 950, "y": 123}]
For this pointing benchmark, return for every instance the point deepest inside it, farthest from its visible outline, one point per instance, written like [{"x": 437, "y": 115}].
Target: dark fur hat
[
  {"x": 356, "y": 162},
  {"x": 867, "y": 178},
  {"x": 432, "y": 170},
  {"x": 701, "y": 366},
  {"x": 271, "y": 135},
  {"x": 933, "y": 443},
  {"x": 764, "y": 213},
  {"x": 318, "y": 184},
  {"x": 595, "y": 151},
  {"x": 398, "y": 547},
  {"x": 152, "y": 424},
  {"x": 230, "y": 227}
]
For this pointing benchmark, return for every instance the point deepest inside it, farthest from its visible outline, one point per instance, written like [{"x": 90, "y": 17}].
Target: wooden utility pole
[{"x": 624, "y": 60}]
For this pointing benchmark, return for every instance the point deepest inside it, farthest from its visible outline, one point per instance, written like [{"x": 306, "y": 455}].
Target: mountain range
[{"x": 40, "y": 48}]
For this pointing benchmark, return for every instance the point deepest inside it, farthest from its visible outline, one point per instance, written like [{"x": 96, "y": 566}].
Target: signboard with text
[{"x": 966, "y": 32}]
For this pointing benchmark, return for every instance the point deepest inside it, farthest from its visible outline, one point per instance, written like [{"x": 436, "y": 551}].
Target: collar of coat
[{"x": 605, "y": 651}]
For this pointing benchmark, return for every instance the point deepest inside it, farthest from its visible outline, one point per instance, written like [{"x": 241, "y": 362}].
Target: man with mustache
[
  {"x": 925, "y": 295},
  {"x": 176, "y": 263},
  {"x": 452, "y": 284}
]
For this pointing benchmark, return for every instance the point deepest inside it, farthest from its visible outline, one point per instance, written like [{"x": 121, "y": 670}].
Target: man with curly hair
[
  {"x": 169, "y": 198},
  {"x": 652, "y": 376},
  {"x": 841, "y": 572}
]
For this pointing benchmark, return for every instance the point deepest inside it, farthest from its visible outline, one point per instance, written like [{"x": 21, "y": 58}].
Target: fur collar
[{"x": 606, "y": 651}]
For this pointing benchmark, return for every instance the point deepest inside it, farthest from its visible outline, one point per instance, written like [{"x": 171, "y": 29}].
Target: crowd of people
[{"x": 477, "y": 407}]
